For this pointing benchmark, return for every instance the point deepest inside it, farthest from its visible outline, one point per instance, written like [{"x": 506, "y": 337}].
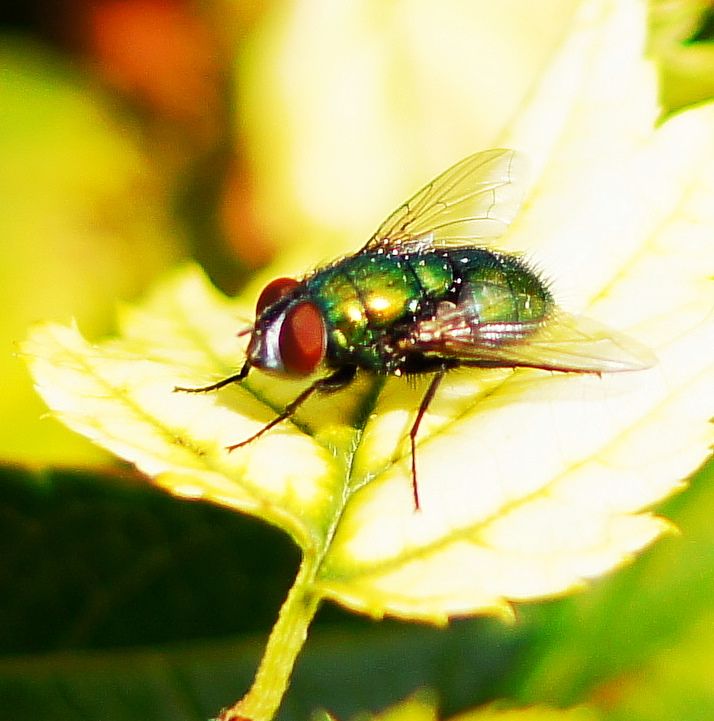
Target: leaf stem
[{"x": 284, "y": 644}]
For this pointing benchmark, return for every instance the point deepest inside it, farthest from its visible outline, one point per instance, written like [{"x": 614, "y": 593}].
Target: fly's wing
[
  {"x": 471, "y": 203},
  {"x": 564, "y": 343}
]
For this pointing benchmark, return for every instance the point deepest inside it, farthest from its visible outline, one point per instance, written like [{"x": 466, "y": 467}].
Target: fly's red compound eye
[
  {"x": 274, "y": 291},
  {"x": 302, "y": 339}
]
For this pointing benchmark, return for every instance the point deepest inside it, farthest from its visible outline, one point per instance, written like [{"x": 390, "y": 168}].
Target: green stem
[{"x": 286, "y": 640}]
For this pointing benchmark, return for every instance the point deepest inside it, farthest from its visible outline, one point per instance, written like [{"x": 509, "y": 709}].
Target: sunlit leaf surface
[{"x": 530, "y": 482}]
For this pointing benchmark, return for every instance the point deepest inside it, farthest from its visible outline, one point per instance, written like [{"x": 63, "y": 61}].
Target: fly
[{"x": 428, "y": 293}]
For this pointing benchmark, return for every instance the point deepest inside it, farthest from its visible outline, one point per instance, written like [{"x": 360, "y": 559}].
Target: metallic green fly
[{"x": 428, "y": 293}]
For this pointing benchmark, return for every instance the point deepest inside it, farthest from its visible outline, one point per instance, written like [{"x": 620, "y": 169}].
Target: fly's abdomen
[
  {"x": 501, "y": 290},
  {"x": 363, "y": 297}
]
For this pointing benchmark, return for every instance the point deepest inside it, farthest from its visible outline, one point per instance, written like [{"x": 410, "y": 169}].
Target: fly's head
[{"x": 289, "y": 337}]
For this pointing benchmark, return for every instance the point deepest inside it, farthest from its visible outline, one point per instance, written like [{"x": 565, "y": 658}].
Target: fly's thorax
[{"x": 364, "y": 297}]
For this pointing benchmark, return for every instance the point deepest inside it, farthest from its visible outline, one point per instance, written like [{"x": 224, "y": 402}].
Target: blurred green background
[{"x": 135, "y": 134}]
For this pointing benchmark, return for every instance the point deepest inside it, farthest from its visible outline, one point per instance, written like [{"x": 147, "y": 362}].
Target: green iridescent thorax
[{"x": 362, "y": 298}]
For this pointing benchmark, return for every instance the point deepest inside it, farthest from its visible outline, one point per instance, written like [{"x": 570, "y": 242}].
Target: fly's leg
[
  {"x": 235, "y": 378},
  {"x": 425, "y": 401},
  {"x": 339, "y": 379}
]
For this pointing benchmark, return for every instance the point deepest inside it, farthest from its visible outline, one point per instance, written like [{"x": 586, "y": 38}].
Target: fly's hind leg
[
  {"x": 423, "y": 406},
  {"x": 339, "y": 379}
]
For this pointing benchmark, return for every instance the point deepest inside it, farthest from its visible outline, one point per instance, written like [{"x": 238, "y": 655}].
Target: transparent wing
[
  {"x": 472, "y": 202},
  {"x": 564, "y": 343}
]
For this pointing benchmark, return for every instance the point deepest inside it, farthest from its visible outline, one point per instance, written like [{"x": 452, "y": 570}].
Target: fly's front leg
[
  {"x": 423, "y": 406},
  {"x": 235, "y": 378},
  {"x": 339, "y": 379}
]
